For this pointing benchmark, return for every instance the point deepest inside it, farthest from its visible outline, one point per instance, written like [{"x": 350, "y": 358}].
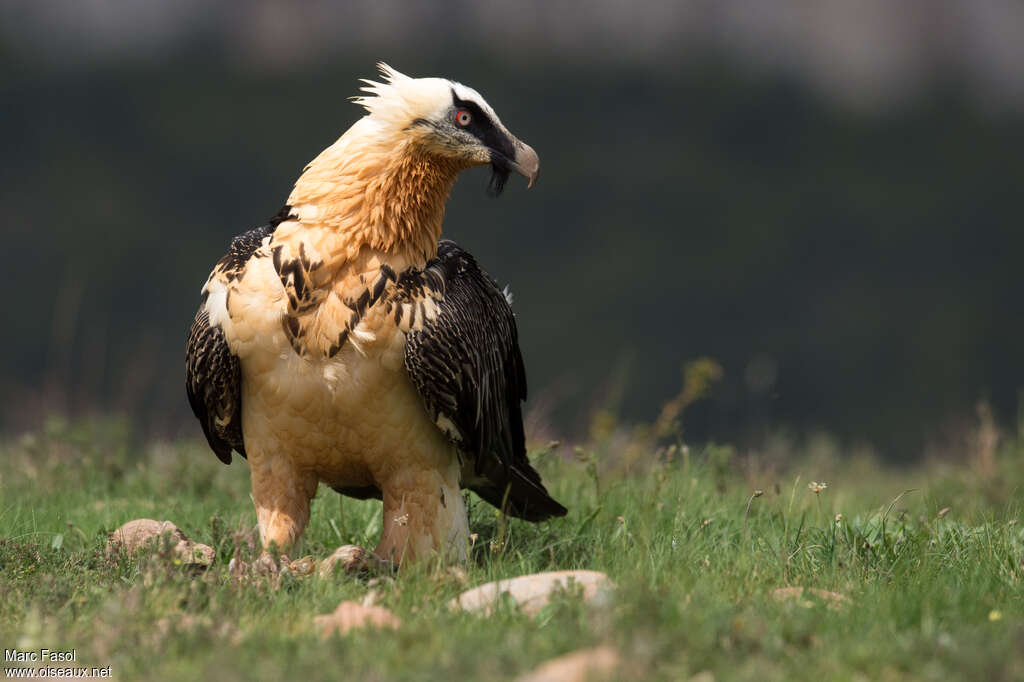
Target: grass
[{"x": 930, "y": 559}]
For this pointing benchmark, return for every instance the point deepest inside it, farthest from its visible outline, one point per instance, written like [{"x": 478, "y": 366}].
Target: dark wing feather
[
  {"x": 467, "y": 367},
  {"x": 213, "y": 381},
  {"x": 213, "y": 377}
]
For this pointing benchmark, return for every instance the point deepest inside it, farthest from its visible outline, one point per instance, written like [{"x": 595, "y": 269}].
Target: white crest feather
[
  {"x": 378, "y": 90},
  {"x": 399, "y": 99}
]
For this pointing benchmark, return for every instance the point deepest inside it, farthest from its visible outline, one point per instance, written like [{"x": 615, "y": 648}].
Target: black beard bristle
[{"x": 499, "y": 176}]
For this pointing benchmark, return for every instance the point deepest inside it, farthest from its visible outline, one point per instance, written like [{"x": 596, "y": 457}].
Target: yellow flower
[{"x": 995, "y": 615}]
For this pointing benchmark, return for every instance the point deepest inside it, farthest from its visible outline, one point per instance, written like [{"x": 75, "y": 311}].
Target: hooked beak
[
  {"x": 526, "y": 162},
  {"x": 512, "y": 155}
]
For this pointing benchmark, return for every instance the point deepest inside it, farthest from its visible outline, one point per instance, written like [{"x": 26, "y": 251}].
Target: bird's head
[{"x": 448, "y": 120}]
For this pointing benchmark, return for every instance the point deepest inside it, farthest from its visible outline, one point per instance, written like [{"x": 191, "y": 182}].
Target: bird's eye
[{"x": 463, "y": 117}]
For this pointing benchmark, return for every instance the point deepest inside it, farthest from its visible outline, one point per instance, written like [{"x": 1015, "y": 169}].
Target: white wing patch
[{"x": 217, "y": 302}]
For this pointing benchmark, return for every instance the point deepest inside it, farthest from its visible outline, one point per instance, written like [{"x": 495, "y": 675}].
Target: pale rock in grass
[
  {"x": 147, "y": 533},
  {"x": 353, "y": 559},
  {"x": 301, "y": 568},
  {"x": 351, "y": 615},
  {"x": 833, "y": 600},
  {"x": 533, "y": 592},
  {"x": 599, "y": 663}
]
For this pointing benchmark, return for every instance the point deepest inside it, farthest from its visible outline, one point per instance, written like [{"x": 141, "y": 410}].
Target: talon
[{"x": 264, "y": 566}]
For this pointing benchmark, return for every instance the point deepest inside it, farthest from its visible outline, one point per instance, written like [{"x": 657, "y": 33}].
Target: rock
[
  {"x": 350, "y": 615},
  {"x": 301, "y": 568},
  {"x": 599, "y": 663},
  {"x": 136, "y": 534},
  {"x": 353, "y": 559},
  {"x": 350, "y": 558},
  {"x": 142, "y": 533},
  {"x": 833, "y": 600},
  {"x": 532, "y": 592}
]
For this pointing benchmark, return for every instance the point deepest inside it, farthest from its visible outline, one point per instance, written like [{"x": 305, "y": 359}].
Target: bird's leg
[
  {"x": 282, "y": 493},
  {"x": 424, "y": 514}
]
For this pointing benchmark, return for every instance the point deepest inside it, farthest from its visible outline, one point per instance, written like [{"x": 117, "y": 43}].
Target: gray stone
[{"x": 532, "y": 592}]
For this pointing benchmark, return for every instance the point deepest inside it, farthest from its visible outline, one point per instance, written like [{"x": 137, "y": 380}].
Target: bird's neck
[{"x": 381, "y": 196}]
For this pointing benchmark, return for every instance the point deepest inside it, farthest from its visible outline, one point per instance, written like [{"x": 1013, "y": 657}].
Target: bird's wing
[
  {"x": 213, "y": 381},
  {"x": 466, "y": 364},
  {"x": 213, "y": 377}
]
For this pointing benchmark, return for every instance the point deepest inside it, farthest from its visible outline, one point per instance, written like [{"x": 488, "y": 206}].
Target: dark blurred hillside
[{"x": 853, "y": 272}]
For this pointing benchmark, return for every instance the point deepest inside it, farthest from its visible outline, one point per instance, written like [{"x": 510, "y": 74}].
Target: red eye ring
[{"x": 463, "y": 117}]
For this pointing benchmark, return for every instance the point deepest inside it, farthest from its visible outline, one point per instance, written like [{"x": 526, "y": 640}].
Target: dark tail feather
[{"x": 521, "y": 496}]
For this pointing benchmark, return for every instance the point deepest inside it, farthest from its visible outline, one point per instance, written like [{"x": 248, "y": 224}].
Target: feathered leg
[
  {"x": 282, "y": 494},
  {"x": 424, "y": 515}
]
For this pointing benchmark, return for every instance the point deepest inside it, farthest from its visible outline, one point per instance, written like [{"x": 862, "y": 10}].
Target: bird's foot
[
  {"x": 353, "y": 559},
  {"x": 263, "y": 567},
  {"x": 350, "y": 559}
]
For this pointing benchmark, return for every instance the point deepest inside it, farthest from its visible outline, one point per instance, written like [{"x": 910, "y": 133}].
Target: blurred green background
[{"x": 823, "y": 197}]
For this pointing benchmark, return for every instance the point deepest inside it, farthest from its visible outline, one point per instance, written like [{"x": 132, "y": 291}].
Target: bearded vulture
[{"x": 345, "y": 342}]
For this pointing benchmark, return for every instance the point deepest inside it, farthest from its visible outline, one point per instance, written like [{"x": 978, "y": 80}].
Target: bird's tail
[{"x": 522, "y": 495}]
